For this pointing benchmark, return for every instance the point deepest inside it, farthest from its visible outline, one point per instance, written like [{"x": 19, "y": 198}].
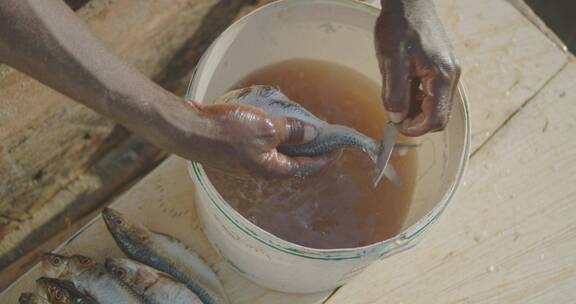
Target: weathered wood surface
[
  {"x": 505, "y": 59},
  {"x": 55, "y": 155},
  {"x": 510, "y": 234},
  {"x": 506, "y": 62}
]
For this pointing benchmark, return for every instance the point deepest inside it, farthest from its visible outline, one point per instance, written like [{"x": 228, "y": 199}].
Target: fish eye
[
  {"x": 119, "y": 222},
  {"x": 120, "y": 272},
  {"x": 58, "y": 295},
  {"x": 55, "y": 293},
  {"x": 56, "y": 261}
]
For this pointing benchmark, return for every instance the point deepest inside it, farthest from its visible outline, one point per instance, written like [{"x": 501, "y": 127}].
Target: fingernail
[
  {"x": 309, "y": 133},
  {"x": 395, "y": 117}
]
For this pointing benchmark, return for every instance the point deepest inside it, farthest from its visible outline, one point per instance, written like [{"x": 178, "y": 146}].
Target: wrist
[
  {"x": 392, "y": 6},
  {"x": 402, "y": 6},
  {"x": 181, "y": 122},
  {"x": 165, "y": 120}
]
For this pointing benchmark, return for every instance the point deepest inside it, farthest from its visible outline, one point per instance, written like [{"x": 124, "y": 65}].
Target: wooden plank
[
  {"x": 164, "y": 201},
  {"x": 505, "y": 59},
  {"x": 510, "y": 235},
  {"x": 69, "y": 209}
]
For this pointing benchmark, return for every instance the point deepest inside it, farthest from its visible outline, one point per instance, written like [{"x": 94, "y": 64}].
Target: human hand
[
  {"x": 419, "y": 72},
  {"x": 244, "y": 138}
]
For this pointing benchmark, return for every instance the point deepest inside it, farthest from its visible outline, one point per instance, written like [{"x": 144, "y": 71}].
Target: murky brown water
[{"x": 338, "y": 208}]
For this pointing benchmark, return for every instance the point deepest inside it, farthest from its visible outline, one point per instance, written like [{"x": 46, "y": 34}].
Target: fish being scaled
[
  {"x": 166, "y": 254},
  {"x": 91, "y": 279},
  {"x": 62, "y": 292},
  {"x": 32, "y": 298},
  {"x": 150, "y": 282},
  {"x": 330, "y": 137}
]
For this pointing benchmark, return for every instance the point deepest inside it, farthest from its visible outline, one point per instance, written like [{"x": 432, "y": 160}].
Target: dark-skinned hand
[{"x": 418, "y": 69}]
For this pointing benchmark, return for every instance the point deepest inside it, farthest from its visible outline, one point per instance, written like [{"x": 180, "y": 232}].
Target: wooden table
[{"x": 510, "y": 234}]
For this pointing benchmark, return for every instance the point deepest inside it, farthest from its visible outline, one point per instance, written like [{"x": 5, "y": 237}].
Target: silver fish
[
  {"x": 91, "y": 279},
  {"x": 62, "y": 292},
  {"x": 330, "y": 136},
  {"x": 166, "y": 254},
  {"x": 150, "y": 282},
  {"x": 32, "y": 298}
]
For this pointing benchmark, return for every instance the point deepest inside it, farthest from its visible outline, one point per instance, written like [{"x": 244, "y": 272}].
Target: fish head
[
  {"x": 123, "y": 269},
  {"x": 31, "y": 298},
  {"x": 233, "y": 96},
  {"x": 132, "y": 237},
  {"x": 248, "y": 95},
  {"x": 55, "y": 265},
  {"x": 56, "y": 291},
  {"x": 79, "y": 263}
]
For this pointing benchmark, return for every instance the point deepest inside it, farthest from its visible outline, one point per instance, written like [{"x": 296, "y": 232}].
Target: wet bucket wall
[{"x": 340, "y": 31}]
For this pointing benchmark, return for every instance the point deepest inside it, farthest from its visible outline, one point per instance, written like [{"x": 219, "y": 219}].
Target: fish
[
  {"x": 54, "y": 265},
  {"x": 331, "y": 137},
  {"x": 62, "y": 292},
  {"x": 150, "y": 282},
  {"x": 91, "y": 279},
  {"x": 166, "y": 254},
  {"x": 32, "y": 298}
]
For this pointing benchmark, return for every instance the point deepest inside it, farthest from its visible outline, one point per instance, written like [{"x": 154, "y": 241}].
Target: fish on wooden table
[
  {"x": 330, "y": 137},
  {"x": 62, "y": 292},
  {"x": 32, "y": 298},
  {"x": 54, "y": 265},
  {"x": 150, "y": 282},
  {"x": 91, "y": 279},
  {"x": 166, "y": 254}
]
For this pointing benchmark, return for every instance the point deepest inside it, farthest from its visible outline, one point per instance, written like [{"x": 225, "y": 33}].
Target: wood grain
[{"x": 505, "y": 59}]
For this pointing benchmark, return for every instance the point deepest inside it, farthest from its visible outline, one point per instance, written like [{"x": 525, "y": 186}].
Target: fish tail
[{"x": 376, "y": 147}]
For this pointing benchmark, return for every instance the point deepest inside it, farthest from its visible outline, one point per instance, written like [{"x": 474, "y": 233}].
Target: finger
[
  {"x": 294, "y": 131},
  {"x": 438, "y": 88},
  {"x": 396, "y": 87},
  {"x": 278, "y": 164}
]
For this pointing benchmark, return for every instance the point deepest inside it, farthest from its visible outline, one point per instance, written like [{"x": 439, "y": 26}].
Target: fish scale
[
  {"x": 150, "y": 282},
  {"x": 107, "y": 289}
]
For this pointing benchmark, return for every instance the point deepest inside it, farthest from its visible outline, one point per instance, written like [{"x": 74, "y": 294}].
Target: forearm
[{"x": 46, "y": 40}]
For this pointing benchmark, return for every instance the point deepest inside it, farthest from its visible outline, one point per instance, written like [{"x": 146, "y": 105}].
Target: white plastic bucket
[{"x": 340, "y": 31}]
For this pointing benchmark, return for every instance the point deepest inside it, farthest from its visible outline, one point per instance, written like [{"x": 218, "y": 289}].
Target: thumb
[
  {"x": 396, "y": 88},
  {"x": 293, "y": 131}
]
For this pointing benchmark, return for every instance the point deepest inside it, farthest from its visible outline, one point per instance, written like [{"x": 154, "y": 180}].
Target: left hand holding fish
[{"x": 246, "y": 137}]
